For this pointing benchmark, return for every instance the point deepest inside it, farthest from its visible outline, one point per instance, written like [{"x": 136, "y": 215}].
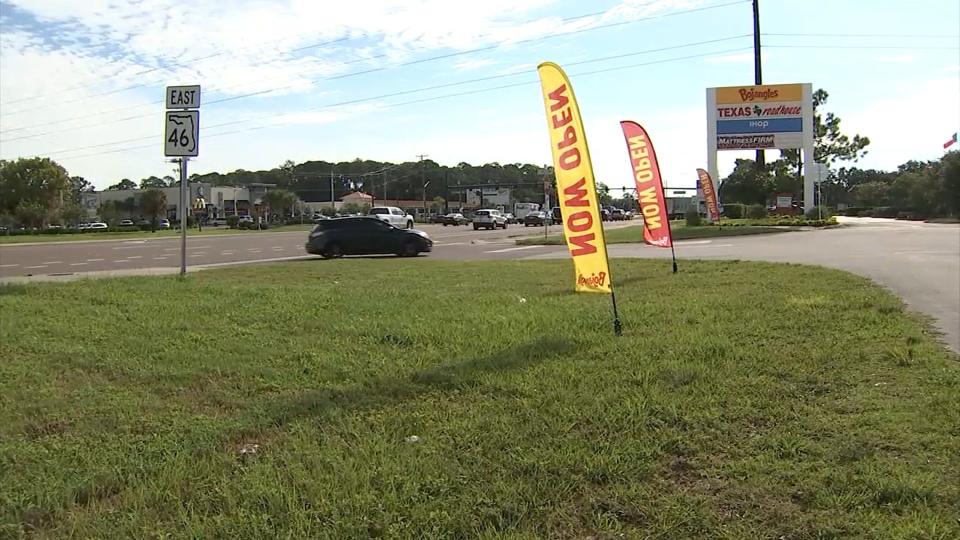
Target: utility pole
[
  {"x": 757, "y": 72},
  {"x": 423, "y": 181},
  {"x": 333, "y": 205}
]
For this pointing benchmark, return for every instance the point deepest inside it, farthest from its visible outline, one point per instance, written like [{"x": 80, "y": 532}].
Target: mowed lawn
[
  {"x": 679, "y": 230},
  {"x": 744, "y": 400}
]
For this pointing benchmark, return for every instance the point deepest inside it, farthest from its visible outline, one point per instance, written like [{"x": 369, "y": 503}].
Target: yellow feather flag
[{"x": 576, "y": 187}]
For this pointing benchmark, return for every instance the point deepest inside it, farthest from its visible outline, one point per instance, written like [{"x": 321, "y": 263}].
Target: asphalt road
[
  {"x": 131, "y": 256},
  {"x": 920, "y": 262}
]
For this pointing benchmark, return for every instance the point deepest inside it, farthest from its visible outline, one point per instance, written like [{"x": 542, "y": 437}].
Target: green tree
[
  {"x": 153, "y": 203},
  {"x": 124, "y": 184},
  {"x": 32, "y": 181},
  {"x": 830, "y": 145},
  {"x": 31, "y": 214},
  {"x": 871, "y": 194},
  {"x": 603, "y": 193},
  {"x": 949, "y": 176},
  {"x": 279, "y": 200},
  {"x": 350, "y": 208},
  {"x": 79, "y": 185},
  {"x": 71, "y": 213},
  {"x": 152, "y": 182},
  {"x": 747, "y": 185}
]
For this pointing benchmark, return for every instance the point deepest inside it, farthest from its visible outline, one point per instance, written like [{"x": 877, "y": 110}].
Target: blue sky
[{"x": 81, "y": 81}]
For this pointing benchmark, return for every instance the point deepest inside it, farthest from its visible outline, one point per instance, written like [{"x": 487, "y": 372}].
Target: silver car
[{"x": 489, "y": 219}]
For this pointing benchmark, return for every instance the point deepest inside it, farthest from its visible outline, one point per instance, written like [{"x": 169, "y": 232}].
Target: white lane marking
[
  {"x": 171, "y": 249},
  {"x": 278, "y": 248},
  {"x": 255, "y": 250},
  {"x": 9, "y": 265},
  {"x": 159, "y": 258},
  {"x": 95, "y": 260},
  {"x": 131, "y": 247},
  {"x": 135, "y": 257},
  {"x": 32, "y": 267},
  {"x": 507, "y": 250},
  {"x": 693, "y": 242},
  {"x": 226, "y": 252},
  {"x": 198, "y": 254},
  {"x": 52, "y": 262},
  {"x": 452, "y": 243},
  {"x": 121, "y": 261},
  {"x": 78, "y": 264}
]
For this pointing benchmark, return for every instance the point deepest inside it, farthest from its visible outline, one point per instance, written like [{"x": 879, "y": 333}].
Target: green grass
[
  {"x": 634, "y": 233},
  {"x": 207, "y": 231},
  {"x": 745, "y": 400}
]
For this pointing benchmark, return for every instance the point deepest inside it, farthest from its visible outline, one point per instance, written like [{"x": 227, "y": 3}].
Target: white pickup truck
[{"x": 393, "y": 215}]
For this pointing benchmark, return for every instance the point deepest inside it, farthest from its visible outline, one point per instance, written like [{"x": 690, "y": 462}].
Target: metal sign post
[
  {"x": 184, "y": 195},
  {"x": 181, "y": 140}
]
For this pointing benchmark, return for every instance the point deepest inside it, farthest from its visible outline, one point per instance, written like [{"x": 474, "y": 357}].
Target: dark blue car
[{"x": 334, "y": 238}]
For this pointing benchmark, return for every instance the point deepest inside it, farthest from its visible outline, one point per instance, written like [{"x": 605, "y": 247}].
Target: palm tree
[{"x": 153, "y": 203}]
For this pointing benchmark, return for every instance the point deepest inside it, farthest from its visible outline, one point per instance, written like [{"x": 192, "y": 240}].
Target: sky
[{"x": 83, "y": 82}]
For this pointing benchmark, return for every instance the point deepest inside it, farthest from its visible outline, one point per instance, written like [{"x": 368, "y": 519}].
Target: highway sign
[
  {"x": 183, "y": 97},
  {"x": 181, "y": 137}
]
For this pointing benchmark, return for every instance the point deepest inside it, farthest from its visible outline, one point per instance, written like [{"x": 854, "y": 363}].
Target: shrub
[
  {"x": 693, "y": 218},
  {"x": 815, "y": 213},
  {"x": 866, "y": 213},
  {"x": 886, "y": 212},
  {"x": 232, "y": 221},
  {"x": 733, "y": 211},
  {"x": 756, "y": 211}
]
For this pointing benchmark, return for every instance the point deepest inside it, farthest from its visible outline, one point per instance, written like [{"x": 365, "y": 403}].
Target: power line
[
  {"x": 374, "y": 70},
  {"x": 896, "y": 47},
  {"x": 420, "y": 90},
  {"x": 447, "y": 96},
  {"x": 862, "y": 35}
]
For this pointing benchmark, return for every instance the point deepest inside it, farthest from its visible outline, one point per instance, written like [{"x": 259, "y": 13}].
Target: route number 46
[
  {"x": 182, "y": 140},
  {"x": 182, "y": 129}
]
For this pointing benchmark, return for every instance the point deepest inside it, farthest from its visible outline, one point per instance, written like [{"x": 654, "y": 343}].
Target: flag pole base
[{"x": 617, "y": 327}]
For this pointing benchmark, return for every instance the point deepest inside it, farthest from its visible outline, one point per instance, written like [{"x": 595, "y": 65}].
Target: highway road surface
[{"x": 918, "y": 261}]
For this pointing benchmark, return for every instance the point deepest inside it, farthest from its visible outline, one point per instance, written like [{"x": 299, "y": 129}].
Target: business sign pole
[
  {"x": 770, "y": 116},
  {"x": 181, "y": 140}
]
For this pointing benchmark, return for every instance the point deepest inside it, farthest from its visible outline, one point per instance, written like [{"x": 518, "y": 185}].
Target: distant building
[{"x": 222, "y": 201}]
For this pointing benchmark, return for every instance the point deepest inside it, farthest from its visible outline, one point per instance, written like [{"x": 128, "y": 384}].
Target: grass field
[
  {"x": 634, "y": 233},
  {"x": 745, "y": 400},
  {"x": 207, "y": 231}
]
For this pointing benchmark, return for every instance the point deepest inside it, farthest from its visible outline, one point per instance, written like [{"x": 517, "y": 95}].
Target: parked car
[
  {"x": 97, "y": 226},
  {"x": 537, "y": 219},
  {"x": 455, "y": 219},
  {"x": 604, "y": 214},
  {"x": 126, "y": 223},
  {"x": 365, "y": 235},
  {"x": 617, "y": 215},
  {"x": 489, "y": 219},
  {"x": 165, "y": 223},
  {"x": 511, "y": 219},
  {"x": 393, "y": 215}
]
